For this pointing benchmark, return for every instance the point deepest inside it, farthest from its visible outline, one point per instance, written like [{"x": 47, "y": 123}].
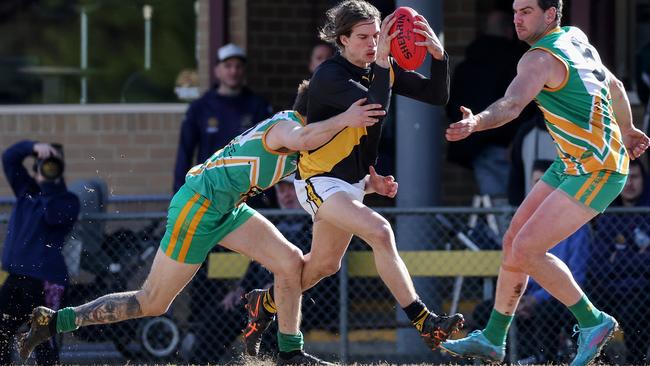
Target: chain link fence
[{"x": 452, "y": 254}]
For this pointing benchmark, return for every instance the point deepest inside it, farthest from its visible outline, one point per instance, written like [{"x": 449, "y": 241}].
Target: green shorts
[
  {"x": 595, "y": 190},
  {"x": 195, "y": 226}
]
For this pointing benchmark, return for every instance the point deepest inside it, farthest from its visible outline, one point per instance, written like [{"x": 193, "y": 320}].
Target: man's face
[
  {"x": 531, "y": 22},
  {"x": 231, "y": 72},
  {"x": 361, "y": 46},
  {"x": 634, "y": 185},
  {"x": 286, "y": 195},
  {"x": 319, "y": 54}
]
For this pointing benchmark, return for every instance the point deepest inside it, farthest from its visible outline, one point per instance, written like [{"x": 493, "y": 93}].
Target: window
[{"x": 41, "y": 50}]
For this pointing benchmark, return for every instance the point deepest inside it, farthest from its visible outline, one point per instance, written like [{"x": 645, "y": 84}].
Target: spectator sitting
[
  {"x": 44, "y": 214},
  {"x": 620, "y": 265}
]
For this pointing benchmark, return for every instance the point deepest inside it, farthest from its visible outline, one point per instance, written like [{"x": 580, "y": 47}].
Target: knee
[
  {"x": 521, "y": 255},
  {"x": 328, "y": 267},
  {"x": 381, "y": 236},
  {"x": 292, "y": 263},
  {"x": 151, "y": 302}
]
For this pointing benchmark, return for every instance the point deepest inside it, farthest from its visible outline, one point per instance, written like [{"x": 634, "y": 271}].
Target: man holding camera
[{"x": 44, "y": 214}]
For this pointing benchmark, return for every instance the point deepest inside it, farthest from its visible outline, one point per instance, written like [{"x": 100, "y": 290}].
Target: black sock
[
  {"x": 414, "y": 310},
  {"x": 52, "y": 324},
  {"x": 290, "y": 354}
]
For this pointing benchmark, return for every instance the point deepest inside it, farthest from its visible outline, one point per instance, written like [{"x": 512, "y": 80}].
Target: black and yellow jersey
[{"x": 335, "y": 85}]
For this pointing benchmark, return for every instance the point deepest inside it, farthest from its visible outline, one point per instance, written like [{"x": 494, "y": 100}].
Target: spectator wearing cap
[{"x": 220, "y": 114}]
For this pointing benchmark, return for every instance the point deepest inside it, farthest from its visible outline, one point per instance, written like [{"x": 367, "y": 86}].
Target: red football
[{"x": 402, "y": 47}]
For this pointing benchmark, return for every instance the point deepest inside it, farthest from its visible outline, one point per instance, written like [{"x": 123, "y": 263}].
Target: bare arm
[
  {"x": 535, "y": 70},
  {"x": 635, "y": 141},
  {"x": 288, "y": 135},
  {"x": 620, "y": 102}
]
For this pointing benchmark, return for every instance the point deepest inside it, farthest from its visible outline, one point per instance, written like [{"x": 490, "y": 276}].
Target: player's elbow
[{"x": 617, "y": 88}]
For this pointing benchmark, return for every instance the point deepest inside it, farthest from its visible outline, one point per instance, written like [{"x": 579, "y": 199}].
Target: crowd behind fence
[{"x": 452, "y": 253}]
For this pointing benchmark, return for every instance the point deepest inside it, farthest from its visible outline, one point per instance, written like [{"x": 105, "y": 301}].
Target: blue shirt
[
  {"x": 41, "y": 219},
  {"x": 211, "y": 122}
]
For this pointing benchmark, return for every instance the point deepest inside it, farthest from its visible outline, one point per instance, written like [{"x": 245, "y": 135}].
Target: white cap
[{"x": 230, "y": 50}]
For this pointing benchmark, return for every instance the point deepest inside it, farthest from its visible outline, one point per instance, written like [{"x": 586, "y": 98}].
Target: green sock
[
  {"x": 65, "y": 320},
  {"x": 586, "y": 313},
  {"x": 496, "y": 329},
  {"x": 290, "y": 342}
]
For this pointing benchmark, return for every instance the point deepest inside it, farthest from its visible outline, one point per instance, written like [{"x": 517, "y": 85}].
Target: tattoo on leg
[
  {"x": 109, "y": 309},
  {"x": 515, "y": 297}
]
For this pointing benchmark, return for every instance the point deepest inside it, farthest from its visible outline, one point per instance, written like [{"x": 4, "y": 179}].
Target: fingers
[
  {"x": 372, "y": 170},
  {"x": 395, "y": 34},
  {"x": 371, "y": 106},
  {"x": 466, "y": 112},
  {"x": 456, "y": 131},
  {"x": 387, "y": 24},
  {"x": 361, "y": 101},
  {"x": 389, "y": 189},
  {"x": 424, "y": 30},
  {"x": 422, "y": 19}
]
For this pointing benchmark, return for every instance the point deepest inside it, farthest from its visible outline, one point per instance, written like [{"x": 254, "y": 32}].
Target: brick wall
[
  {"x": 280, "y": 35},
  {"x": 133, "y": 149}
]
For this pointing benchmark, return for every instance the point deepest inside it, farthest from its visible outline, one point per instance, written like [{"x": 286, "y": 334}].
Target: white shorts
[{"x": 313, "y": 191}]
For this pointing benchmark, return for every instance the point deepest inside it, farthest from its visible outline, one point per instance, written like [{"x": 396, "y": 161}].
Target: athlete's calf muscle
[{"x": 109, "y": 309}]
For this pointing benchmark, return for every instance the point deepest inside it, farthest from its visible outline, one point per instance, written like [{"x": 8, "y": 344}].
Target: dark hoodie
[
  {"x": 482, "y": 78},
  {"x": 42, "y": 217}
]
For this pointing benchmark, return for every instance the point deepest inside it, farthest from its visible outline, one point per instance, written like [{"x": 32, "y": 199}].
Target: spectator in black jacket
[
  {"x": 482, "y": 78},
  {"x": 43, "y": 216}
]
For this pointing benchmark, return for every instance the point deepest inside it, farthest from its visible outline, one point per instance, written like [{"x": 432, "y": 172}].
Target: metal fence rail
[{"x": 452, "y": 253}]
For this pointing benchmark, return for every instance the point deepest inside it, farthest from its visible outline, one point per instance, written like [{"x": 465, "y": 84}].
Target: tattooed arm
[{"x": 109, "y": 309}]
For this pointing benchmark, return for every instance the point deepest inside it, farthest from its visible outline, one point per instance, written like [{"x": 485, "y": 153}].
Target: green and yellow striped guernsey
[
  {"x": 579, "y": 113},
  {"x": 244, "y": 167}
]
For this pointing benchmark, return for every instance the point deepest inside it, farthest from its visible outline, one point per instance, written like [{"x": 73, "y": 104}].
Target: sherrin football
[{"x": 403, "y": 48}]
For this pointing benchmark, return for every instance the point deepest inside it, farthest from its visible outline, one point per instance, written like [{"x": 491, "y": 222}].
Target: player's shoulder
[
  {"x": 575, "y": 32},
  {"x": 330, "y": 68},
  {"x": 287, "y": 115}
]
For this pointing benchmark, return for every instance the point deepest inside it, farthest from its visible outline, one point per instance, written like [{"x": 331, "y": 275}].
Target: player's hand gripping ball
[{"x": 403, "y": 48}]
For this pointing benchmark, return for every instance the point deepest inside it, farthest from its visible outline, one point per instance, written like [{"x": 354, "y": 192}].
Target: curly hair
[{"x": 341, "y": 18}]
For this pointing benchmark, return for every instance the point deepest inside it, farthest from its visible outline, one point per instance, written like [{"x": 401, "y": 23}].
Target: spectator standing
[
  {"x": 321, "y": 52},
  {"x": 211, "y": 121},
  {"x": 44, "y": 214},
  {"x": 490, "y": 65},
  {"x": 220, "y": 114}
]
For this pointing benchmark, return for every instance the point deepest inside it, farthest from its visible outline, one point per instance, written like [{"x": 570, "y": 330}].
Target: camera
[{"x": 51, "y": 168}]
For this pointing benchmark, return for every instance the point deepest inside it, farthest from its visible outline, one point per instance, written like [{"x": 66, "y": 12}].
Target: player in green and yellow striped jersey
[
  {"x": 588, "y": 115},
  {"x": 210, "y": 209}
]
